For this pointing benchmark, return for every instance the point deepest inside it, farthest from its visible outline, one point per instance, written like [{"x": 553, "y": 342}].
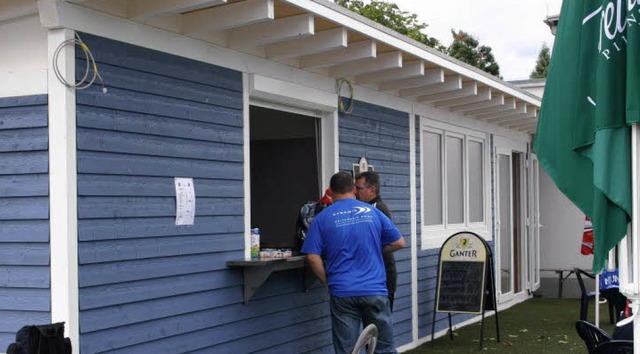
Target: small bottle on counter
[{"x": 255, "y": 243}]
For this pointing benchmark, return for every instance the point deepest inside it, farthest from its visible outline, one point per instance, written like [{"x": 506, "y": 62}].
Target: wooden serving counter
[{"x": 257, "y": 271}]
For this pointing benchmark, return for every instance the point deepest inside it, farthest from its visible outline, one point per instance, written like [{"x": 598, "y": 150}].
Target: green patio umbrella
[
  {"x": 592, "y": 96},
  {"x": 584, "y": 134}
]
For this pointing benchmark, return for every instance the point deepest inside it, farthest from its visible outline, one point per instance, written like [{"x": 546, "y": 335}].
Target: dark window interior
[{"x": 284, "y": 172}]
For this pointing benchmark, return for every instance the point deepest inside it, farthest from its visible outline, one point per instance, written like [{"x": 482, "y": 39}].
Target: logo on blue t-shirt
[
  {"x": 355, "y": 211},
  {"x": 362, "y": 210},
  {"x": 353, "y": 216}
]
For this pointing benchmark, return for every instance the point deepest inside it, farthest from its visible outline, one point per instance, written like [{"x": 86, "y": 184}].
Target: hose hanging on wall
[
  {"x": 339, "y": 83},
  {"x": 83, "y": 83}
]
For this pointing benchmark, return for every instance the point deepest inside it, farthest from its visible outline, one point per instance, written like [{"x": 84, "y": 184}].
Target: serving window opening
[{"x": 285, "y": 171}]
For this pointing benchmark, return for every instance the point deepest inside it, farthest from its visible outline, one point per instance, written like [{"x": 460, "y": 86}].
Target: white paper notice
[{"x": 185, "y": 201}]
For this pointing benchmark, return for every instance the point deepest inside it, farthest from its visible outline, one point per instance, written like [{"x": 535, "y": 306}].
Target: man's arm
[
  {"x": 315, "y": 262},
  {"x": 384, "y": 208},
  {"x": 394, "y": 246}
]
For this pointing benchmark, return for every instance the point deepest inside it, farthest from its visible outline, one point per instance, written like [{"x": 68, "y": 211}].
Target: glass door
[
  {"x": 510, "y": 222},
  {"x": 504, "y": 222}
]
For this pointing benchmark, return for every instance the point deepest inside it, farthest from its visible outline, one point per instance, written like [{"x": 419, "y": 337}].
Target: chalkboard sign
[
  {"x": 465, "y": 280},
  {"x": 462, "y": 274},
  {"x": 461, "y": 287}
]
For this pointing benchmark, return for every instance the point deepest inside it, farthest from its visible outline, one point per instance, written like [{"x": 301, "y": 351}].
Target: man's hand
[{"x": 317, "y": 266}]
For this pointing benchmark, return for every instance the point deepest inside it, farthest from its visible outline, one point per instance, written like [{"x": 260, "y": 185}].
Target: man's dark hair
[
  {"x": 341, "y": 183},
  {"x": 370, "y": 179}
]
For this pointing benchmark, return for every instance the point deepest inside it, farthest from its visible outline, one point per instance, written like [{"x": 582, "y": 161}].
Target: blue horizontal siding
[
  {"x": 190, "y": 95},
  {"x": 24, "y": 299},
  {"x": 184, "y": 314},
  {"x": 397, "y": 159},
  {"x": 358, "y": 137},
  {"x": 144, "y": 144},
  {"x": 27, "y": 103},
  {"x": 168, "y": 307},
  {"x": 16, "y": 116},
  {"x": 150, "y": 61},
  {"x": 137, "y": 291},
  {"x": 148, "y": 268},
  {"x": 24, "y": 208},
  {"x": 108, "y": 229},
  {"x": 23, "y": 163},
  {"x": 35, "y": 185},
  {"x": 27, "y": 139},
  {"x": 305, "y": 344},
  {"x": 140, "y": 165},
  {"x": 146, "y": 103},
  {"x": 159, "y": 125},
  {"x": 114, "y": 185},
  {"x": 24, "y": 215},
  {"x": 14, "y": 320},
  {"x": 22, "y": 253},
  {"x": 7, "y": 337},
  {"x": 131, "y": 207},
  {"x": 20, "y": 276},
  {"x": 24, "y": 231},
  {"x": 147, "y": 285},
  {"x": 382, "y": 136},
  {"x": 244, "y": 336},
  {"x": 116, "y": 250}
]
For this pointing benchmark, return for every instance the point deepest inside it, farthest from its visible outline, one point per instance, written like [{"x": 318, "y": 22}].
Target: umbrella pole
[
  {"x": 635, "y": 222},
  {"x": 629, "y": 247},
  {"x": 597, "y": 302}
]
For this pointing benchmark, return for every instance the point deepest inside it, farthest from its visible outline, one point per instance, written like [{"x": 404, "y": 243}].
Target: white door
[
  {"x": 511, "y": 239},
  {"x": 504, "y": 223}
]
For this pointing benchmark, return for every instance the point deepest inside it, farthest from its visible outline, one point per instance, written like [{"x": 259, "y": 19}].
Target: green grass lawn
[{"x": 539, "y": 325}]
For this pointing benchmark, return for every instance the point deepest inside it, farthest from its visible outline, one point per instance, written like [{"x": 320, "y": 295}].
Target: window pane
[
  {"x": 455, "y": 182},
  {"x": 432, "y": 179},
  {"x": 476, "y": 182}
]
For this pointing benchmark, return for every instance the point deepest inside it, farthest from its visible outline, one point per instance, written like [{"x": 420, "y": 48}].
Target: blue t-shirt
[{"x": 349, "y": 236}]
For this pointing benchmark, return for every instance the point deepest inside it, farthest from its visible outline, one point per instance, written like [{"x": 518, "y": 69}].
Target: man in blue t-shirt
[{"x": 349, "y": 236}]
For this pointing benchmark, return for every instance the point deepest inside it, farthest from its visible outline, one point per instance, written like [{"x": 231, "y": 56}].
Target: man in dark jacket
[{"x": 368, "y": 191}]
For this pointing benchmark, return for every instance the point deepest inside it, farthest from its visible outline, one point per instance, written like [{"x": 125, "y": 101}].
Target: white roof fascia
[{"x": 355, "y": 22}]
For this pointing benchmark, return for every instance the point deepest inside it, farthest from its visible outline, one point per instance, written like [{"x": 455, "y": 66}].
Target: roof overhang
[
  {"x": 321, "y": 37},
  {"x": 552, "y": 22}
]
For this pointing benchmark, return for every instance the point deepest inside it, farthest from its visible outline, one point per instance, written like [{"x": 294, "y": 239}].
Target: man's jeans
[{"x": 348, "y": 313}]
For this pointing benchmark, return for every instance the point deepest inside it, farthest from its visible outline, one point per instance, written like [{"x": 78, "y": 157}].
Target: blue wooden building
[{"x": 258, "y": 102}]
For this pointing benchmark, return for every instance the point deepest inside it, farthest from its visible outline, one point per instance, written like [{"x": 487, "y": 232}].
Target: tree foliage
[
  {"x": 542, "y": 64},
  {"x": 390, "y": 16},
  {"x": 466, "y": 48}
]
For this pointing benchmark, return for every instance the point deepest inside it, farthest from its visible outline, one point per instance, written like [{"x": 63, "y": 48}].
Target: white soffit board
[
  {"x": 269, "y": 89},
  {"x": 14, "y": 84}
]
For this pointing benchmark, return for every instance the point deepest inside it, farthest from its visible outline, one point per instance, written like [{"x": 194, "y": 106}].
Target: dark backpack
[
  {"x": 308, "y": 211},
  {"x": 44, "y": 339}
]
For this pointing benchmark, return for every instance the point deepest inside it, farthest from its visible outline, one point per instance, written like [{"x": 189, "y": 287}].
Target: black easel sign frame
[
  {"x": 465, "y": 279},
  {"x": 461, "y": 274}
]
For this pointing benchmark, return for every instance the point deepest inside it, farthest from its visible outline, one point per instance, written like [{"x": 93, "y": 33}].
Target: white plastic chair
[{"x": 368, "y": 337}]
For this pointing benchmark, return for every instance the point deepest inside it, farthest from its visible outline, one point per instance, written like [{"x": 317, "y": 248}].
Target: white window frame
[
  {"x": 433, "y": 236},
  {"x": 294, "y": 98}
]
